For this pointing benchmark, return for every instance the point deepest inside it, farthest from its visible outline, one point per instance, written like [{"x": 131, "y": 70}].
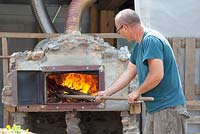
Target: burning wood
[{"x": 70, "y": 84}]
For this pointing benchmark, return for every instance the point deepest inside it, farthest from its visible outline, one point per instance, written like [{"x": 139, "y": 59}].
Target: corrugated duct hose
[
  {"x": 73, "y": 19},
  {"x": 74, "y": 14}
]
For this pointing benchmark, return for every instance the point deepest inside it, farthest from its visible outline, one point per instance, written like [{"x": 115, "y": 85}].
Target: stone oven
[{"x": 71, "y": 64}]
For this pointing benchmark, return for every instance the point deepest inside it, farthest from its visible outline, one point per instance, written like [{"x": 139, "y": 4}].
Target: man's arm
[
  {"x": 120, "y": 83},
  {"x": 155, "y": 75},
  {"x": 123, "y": 80}
]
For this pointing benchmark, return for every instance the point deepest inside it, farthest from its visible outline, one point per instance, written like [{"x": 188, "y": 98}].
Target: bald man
[{"x": 152, "y": 59}]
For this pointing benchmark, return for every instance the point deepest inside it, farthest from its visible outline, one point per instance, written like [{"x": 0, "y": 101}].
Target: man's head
[{"x": 126, "y": 21}]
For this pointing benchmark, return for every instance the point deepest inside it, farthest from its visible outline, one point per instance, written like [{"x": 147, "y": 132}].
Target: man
[{"x": 152, "y": 59}]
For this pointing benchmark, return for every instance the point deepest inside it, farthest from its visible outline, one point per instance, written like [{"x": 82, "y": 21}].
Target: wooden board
[
  {"x": 198, "y": 66},
  {"x": 193, "y": 105},
  {"x": 47, "y": 35},
  {"x": 110, "y": 4},
  {"x": 5, "y": 79},
  {"x": 177, "y": 42},
  {"x": 107, "y": 23},
  {"x": 94, "y": 19},
  {"x": 190, "y": 68},
  {"x": 5, "y": 61},
  {"x": 194, "y": 120}
]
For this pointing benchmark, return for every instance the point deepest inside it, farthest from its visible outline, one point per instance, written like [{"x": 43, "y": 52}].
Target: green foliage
[{"x": 15, "y": 129}]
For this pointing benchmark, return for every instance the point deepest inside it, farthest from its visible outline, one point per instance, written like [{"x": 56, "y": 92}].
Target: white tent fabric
[{"x": 173, "y": 18}]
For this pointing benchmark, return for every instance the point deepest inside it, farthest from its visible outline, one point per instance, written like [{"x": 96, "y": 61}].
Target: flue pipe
[{"x": 74, "y": 14}]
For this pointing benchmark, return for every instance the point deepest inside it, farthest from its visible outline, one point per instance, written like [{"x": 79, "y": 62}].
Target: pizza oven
[
  {"x": 71, "y": 64},
  {"x": 41, "y": 83}
]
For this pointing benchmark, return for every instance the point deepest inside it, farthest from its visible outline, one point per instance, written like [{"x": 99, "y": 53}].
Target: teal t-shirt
[{"x": 169, "y": 92}]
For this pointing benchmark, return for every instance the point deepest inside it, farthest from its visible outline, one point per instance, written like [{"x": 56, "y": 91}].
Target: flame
[{"x": 85, "y": 83}]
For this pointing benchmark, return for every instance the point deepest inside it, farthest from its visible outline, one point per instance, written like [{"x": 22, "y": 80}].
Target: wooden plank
[
  {"x": 190, "y": 68},
  {"x": 135, "y": 108},
  {"x": 193, "y": 105},
  {"x": 48, "y": 35},
  {"x": 170, "y": 40},
  {"x": 5, "y": 79},
  {"x": 6, "y": 117},
  {"x": 107, "y": 23},
  {"x": 10, "y": 108},
  {"x": 198, "y": 68},
  {"x": 110, "y": 4},
  {"x": 51, "y": 35},
  {"x": 5, "y": 61},
  {"x": 107, "y": 35},
  {"x": 27, "y": 35},
  {"x": 58, "y": 108},
  {"x": 197, "y": 42},
  {"x": 194, "y": 120},
  {"x": 5, "y": 57},
  {"x": 94, "y": 20},
  {"x": 177, "y": 42}
]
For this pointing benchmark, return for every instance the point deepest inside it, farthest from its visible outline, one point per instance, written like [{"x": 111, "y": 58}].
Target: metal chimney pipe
[{"x": 42, "y": 16}]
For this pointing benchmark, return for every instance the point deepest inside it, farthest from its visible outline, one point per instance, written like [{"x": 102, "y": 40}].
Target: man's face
[
  {"x": 119, "y": 28},
  {"x": 124, "y": 31}
]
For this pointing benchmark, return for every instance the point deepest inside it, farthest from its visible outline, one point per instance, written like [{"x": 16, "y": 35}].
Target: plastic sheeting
[{"x": 173, "y": 18}]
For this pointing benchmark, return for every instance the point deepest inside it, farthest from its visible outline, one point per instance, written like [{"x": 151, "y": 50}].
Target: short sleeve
[{"x": 152, "y": 48}]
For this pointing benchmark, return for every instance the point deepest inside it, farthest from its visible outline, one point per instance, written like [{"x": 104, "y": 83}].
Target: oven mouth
[
  {"x": 59, "y": 84},
  {"x": 72, "y": 80}
]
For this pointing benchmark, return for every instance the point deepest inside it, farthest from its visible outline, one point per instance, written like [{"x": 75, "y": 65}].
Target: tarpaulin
[{"x": 173, "y": 18}]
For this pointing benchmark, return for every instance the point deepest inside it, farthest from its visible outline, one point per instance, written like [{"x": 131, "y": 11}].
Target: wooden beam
[
  {"x": 193, "y": 105},
  {"x": 51, "y": 35},
  {"x": 107, "y": 23},
  {"x": 135, "y": 108},
  {"x": 27, "y": 35},
  {"x": 194, "y": 120},
  {"x": 47, "y": 35},
  {"x": 110, "y": 4},
  {"x": 176, "y": 44},
  {"x": 10, "y": 108},
  {"x": 5, "y": 61},
  {"x": 190, "y": 68},
  {"x": 94, "y": 19},
  {"x": 5, "y": 79}
]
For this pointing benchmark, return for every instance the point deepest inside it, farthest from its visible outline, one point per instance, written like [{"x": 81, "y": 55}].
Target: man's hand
[
  {"x": 132, "y": 97},
  {"x": 99, "y": 95}
]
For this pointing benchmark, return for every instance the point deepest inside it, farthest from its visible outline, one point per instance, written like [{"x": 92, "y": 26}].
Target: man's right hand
[{"x": 100, "y": 95}]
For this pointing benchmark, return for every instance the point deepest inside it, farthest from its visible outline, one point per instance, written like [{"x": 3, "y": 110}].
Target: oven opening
[{"x": 59, "y": 84}]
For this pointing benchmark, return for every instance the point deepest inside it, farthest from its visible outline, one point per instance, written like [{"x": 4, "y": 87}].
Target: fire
[{"x": 85, "y": 83}]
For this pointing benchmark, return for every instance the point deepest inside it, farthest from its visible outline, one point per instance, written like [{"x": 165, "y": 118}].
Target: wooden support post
[
  {"x": 190, "y": 68},
  {"x": 198, "y": 66},
  {"x": 107, "y": 24},
  {"x": 177, "y": 42},
  {"x": 135, "y": 108},
  {"x": 5, "y": 61},
  {"x": 5, "y": 79},
  {"x": 94, "y": 19}
]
